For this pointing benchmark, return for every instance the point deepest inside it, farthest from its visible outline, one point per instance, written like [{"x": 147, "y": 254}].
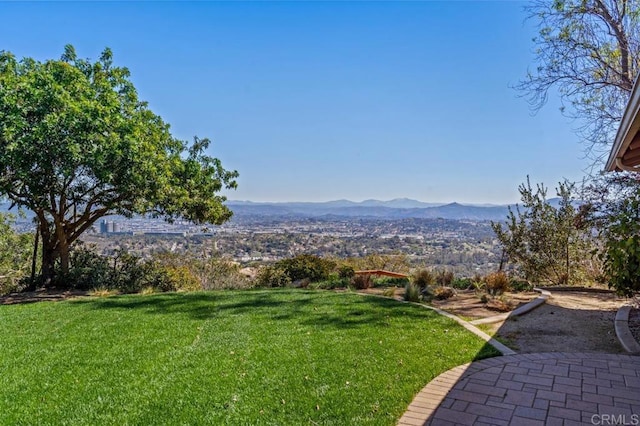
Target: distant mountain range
[{"x": 399, "y": 208}]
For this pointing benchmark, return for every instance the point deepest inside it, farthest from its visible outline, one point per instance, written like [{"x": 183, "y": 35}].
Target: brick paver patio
[{"x": 533, "y": 389}]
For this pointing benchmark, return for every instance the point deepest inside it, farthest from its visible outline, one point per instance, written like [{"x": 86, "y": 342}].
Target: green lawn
[{"x": 235, "y": 357}]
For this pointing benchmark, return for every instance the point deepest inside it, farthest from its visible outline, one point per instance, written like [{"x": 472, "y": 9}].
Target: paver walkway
[{"x": 533, "y": 389}]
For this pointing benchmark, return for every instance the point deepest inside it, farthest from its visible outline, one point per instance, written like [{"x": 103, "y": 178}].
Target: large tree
[
  {"x": 77, "y": 144},
  {"x": 589, "y": 51}
]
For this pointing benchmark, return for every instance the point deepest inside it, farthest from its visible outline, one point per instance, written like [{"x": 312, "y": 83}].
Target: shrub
[
  {"x": 390, "y": 281},
  {"x": 306, "y": 266},
  {"x": 123, "y": 271},
  {"x": 496, "y": 283},
  {"x": 272, "y": 276},
  {"x": 423, "y": 278},
  {"x": 444, "y": 277},
  {"x": 89, "y": 270},
  {"x": 412, "y": 292},
  {"x": 389, "y": 292},
  {"x": 462, "y": 283},
  {"x": 346, "y": 272},
  {"x": 210, "y": 273},
  {"x": 520, "y": 285},
  {"x": 361, "y": 282},
  {"x": 183, "y": 278},
  {"x": 442, "y": 292}
]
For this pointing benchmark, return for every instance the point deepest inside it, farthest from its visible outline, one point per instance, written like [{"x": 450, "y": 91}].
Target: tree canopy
[
  {"x": 589, "y": 51},
  {"x": 77, "y": 144},
  {"x": 541, "y": 239}
]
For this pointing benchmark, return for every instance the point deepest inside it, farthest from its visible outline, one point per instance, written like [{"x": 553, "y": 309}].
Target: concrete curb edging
[
  {"x": 544, "y": 295},
  {"x": 621, "y": 325}
]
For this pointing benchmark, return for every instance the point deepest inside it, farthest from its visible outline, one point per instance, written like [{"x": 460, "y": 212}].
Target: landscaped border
[
  {"x": 544, "y": 295},
  {"x": 621, "y": 325}
]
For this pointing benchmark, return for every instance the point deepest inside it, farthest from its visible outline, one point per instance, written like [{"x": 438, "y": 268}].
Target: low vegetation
[{"x": 233, "y": 357}]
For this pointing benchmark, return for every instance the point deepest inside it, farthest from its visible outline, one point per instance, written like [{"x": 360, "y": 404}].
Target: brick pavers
[{"x": 533, "y": 389}]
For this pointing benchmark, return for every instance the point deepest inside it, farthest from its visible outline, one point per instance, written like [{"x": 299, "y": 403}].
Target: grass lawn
[{"x": 235, "y": 357}]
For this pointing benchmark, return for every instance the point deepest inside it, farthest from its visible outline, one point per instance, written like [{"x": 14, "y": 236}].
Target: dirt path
[{"x": 570, "y": 321}]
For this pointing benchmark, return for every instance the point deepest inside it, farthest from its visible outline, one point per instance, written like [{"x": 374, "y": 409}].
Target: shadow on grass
[{"x": 313, "y": 308}]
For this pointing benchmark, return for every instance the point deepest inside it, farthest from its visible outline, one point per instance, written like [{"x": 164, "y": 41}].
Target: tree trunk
[
  {"x": 48, "y": 263},
  {"x": 35, "y": 255},
  {"x": 64, "y": 257}
]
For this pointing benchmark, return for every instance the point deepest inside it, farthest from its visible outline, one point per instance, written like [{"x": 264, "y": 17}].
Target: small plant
[
  {"x": 423, "y": 278},
  {"x": 412, "y": 293},
  {"x": 519, "y": 285},
  {"x": 462, "y": 283},
  {"x": 496, "y": 283},
  {"x": 361, "y": 282},
  {"x": 444, "y": 277},
  {"x": 484, "y": 298},
  {"x": 389, "y": 292},
  {"x": 443, "y": 293},
  {"x": 500, "y": 304}
]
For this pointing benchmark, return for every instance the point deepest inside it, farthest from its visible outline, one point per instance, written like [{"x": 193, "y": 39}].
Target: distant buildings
[{"x": 111, "y": 227}]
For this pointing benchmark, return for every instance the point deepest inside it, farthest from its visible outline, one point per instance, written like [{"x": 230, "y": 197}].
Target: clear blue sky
[{"x": 315, "y": 101}]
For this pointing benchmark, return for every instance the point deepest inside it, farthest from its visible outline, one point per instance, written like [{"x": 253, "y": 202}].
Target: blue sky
[{"x": 314, "y": 101}]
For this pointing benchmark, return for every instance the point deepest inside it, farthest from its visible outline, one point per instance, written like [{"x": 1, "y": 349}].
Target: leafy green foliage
[
  {"x": 15, "y": 254},
  {"x": 543, "y": 240},
  {"x": 272, "y": 276},
  {"x": 306, "y": 266},
  {"x": 77, "y": 144},
  {"x": 223, "y": 357},
  {"x": 412, "y": 293},
  {"x": 461, "y": 283},
  {"x": 615, "y": 211}
]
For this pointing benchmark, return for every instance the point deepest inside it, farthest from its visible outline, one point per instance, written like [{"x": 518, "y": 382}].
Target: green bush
[
  {"x": 15, "y": 256},
  {"x": 123, "y": 271},
  {"x": 412, "y": 292},
  {"x": 272, "y": 276},
  {"x": 390, "y": 281},
  {"x": 462, "y": 283},
  {"x": 346, "y": 272},
  {"x": 519, "y": 285},
  {"x": 306, "y": 266}
]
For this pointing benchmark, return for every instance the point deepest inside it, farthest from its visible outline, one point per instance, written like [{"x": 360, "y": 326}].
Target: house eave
[{"x": 621, "y": 157}]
